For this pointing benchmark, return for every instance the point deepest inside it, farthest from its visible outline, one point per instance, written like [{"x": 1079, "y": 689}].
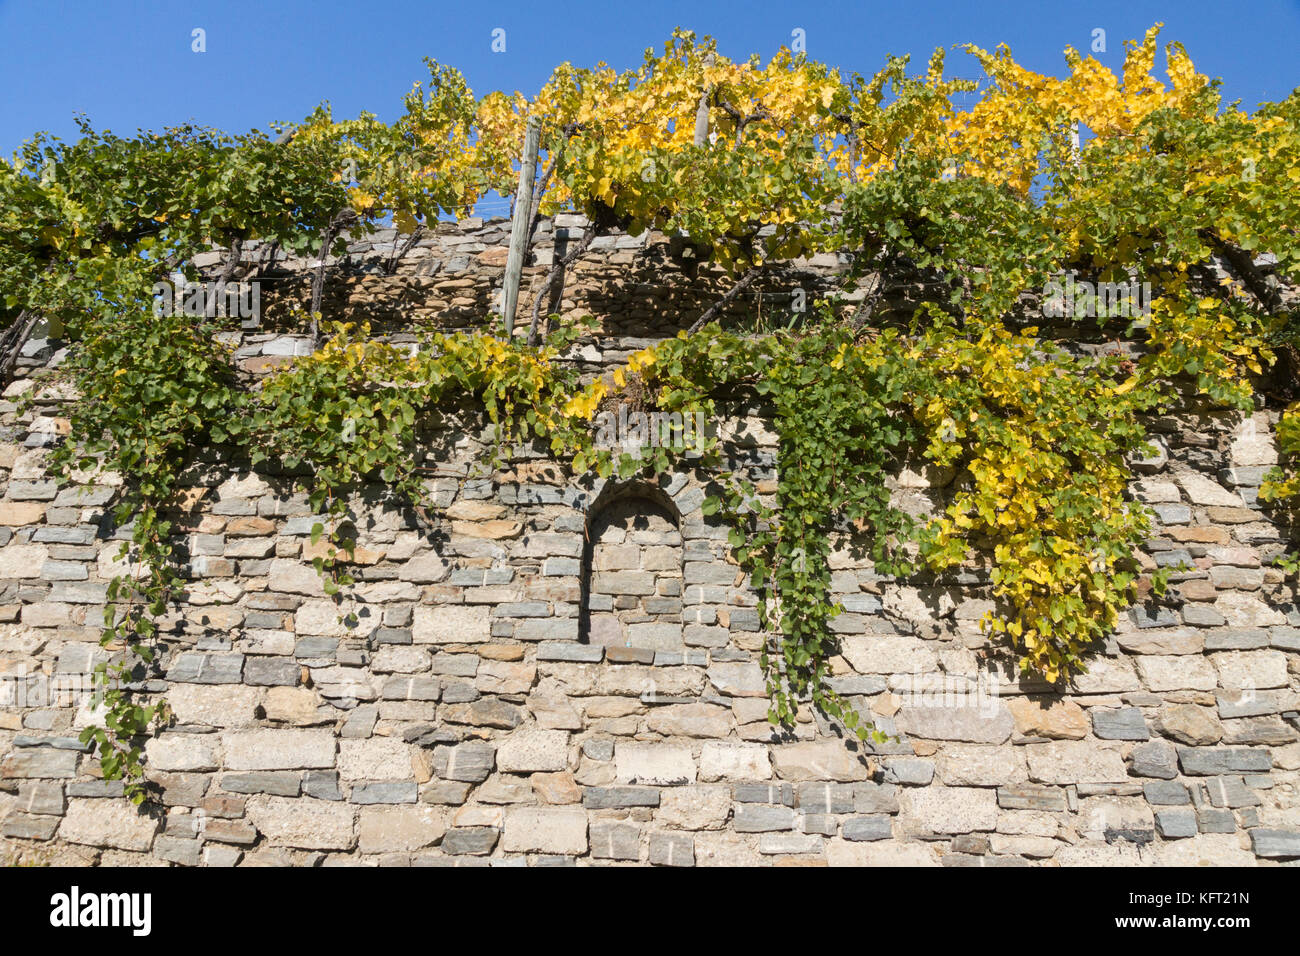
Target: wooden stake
[{"x": 519, "y": 226}]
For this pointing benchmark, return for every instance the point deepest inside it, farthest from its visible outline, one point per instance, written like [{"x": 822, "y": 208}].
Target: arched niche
[{"x": 632, "y": 570}]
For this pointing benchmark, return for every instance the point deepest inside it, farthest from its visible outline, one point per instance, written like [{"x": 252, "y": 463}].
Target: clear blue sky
[{"x": 129, "y": 64}]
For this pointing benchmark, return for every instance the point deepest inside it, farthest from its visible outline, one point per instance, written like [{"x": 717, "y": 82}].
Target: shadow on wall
[{"x": 632, "y": 571}]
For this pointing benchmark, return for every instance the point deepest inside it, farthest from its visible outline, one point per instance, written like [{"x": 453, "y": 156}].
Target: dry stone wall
[{"x": 565, "y": 671}]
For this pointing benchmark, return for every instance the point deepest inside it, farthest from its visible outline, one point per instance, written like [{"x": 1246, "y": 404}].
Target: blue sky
[{"x": 129, "y": 64}]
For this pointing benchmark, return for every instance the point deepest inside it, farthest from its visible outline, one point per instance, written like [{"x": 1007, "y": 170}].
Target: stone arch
[{"x": 632, "y": 576}]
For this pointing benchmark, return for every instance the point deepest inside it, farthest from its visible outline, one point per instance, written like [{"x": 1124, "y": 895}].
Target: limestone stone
[
  {"x": 297, "y": 706},
  {"x": 19, "y": 561},
  {"x": 546, "y": 830},
  {"x": 279, "y": 749},
  {"x": 1251, "y": 669},
  {"x": 653, "y": 764},
  {"x": 1189, "y": 724},
  {"x": 451, "y": 624},
  {"x": 690, "y": 720},
  {"x": 1205, "y": 491},
  {"x": 892, "y": 654},
  {"x": 952, "y": 809},
  {"x": 398, "y": 829},
  {"x": 183, "y": 752},
  {"x": 110, "y": 823},
  {"x": 531, "y": 750},
  {"x": 1055, "y": 718},
  {"x": 979, "y": 765},
  {"x": 556, "y": 788},
  {"x": 694, "y": 808},
  {"x": 1244, "y": 610},
  {"x": 1181, "y": 672},
  {"x": 880, "y": 854},
  {"x": 724, "y": 760},
  {"x": 976, "y": 721},
  {"x": 1062, "y": 762},
  {"x": 375, "y": 758},
  {"x": 819, "y": 760},
  {"x": 291, "y": 576}
]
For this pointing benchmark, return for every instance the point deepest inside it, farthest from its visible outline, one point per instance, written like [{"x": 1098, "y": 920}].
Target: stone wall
[{"x": 567, "y": 671}]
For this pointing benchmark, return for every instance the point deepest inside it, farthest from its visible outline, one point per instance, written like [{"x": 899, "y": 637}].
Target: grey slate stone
[
  {"x": 782, "y": 793},
  {"x": 867, "y": 828},
  {"x": 1126, "y": 723},
  {"x": 615, "y": 841},
  {"x": 1275, "y": 844},
  {"x": 278, "y": 783},
  {"x": 672, "y": 849},
  {"x": 272, "y": 672},
  {"x": 322, "y": 784},
  {"x": 762, "y": 818},
  {"x": 195, "y": 668},
  {"x": 396, "y": 791},
  {"x": 1176, "y": 823},
  {"x": 1211, "y": 820},
  {"x": 470, "y": 841},
  {"x": 609, "y": 798},
  {"x": 1212, "y": 761},
  {"x": 1155, "y": 759},
  {"x": 1166, "y": 793}
]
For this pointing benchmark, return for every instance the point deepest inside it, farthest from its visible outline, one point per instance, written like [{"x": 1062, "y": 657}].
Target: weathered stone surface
[
  {"x": 399, "y": 829},
  {"x": 546, "y": 830},
  {"x": 892, "y": 654},
  {"x": 39, "y": 762},
  {"x": 528, "y": 751},
  {"x": 820, "y": 760},
  {"x": 1182, "y": 672},
  {"x": 303, "y": 823},
  {"x": 690, "y": 720},
  {"x": 451, "y": 624},
  {"x": 110, "y": 823},
  {"x": 223, "y": 707},
  {"x": 1175, "y": 824},
  {"x": 988, "y": 721},
  {"x": 1275, "y": 844},
  {"x": 1189, "y": 724},
  {"x": 653, "y": 764},
  {"x": 183, "y": 752},
  {"x": 281, "y": 749},
  {"x": 1259, "y": 670},
  {"x": 880, "y": 853},
  {"x": 979, "y": 765},
  {"x": 1055, "y": 718},
  {"x": 615, "y": 841},
  {"x": 1155, "y": 759},
  {"x": 470, "y": 762},
  {"x": 1205, "y": 761},
  {"x": 862, "y": 829},
  {"x": 1126, "y": 723},
  {"x": 952, "y": 809},
  {"x": 375, "y": 758},
  {"x": 1061, "y": 762},
  {"x": 721, "y": 760},
  {"x": 470, "y": 841},
  {"x": 694, "y": 808}
]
